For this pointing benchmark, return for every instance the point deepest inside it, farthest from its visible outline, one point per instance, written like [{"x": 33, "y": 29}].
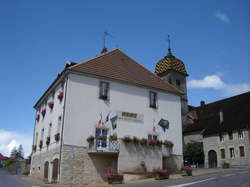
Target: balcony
[
  {"x": 104, "y": 146},
  {"x": 166, "y": 151}
]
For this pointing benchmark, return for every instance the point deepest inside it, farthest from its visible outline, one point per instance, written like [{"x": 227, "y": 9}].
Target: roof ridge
[
  {"x": 151, "y": 73},
  {"x": 225, "y": 99},
  {"x": 94, "y": 58}
]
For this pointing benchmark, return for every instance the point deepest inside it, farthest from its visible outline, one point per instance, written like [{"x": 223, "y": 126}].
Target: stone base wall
[
  {"x": 80, "y": 167},
  {"x": 38, "y": 160},
  {"x": 173, "y": 163},
  {"x": 131, "y": 157}
]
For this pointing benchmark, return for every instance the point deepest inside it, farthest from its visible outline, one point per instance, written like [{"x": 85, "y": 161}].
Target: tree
[
  {"x": 193, "y": 152},
  {"x": 13, "y": 152},
  {"x": 20, "y": 151}
]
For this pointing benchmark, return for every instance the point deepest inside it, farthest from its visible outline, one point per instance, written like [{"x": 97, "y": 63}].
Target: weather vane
[
  {"x": 105, "y": 34},
  {"x": 169, "y": 48}
]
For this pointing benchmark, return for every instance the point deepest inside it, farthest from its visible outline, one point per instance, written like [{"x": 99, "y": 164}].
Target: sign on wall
[{"x": 130, "y": 116}]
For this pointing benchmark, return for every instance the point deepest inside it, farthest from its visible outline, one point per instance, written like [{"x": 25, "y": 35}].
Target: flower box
[
  {"x": 60, "y": 96},
  {"x": 136, "y": 140},
  {"x": 158, "y": 143},
  {"x": 37, "y": 117},
  {"x": 51, "y": 105},
  {"x": 187, "y": 170},
  {"x": 143, "y": 141},
  {"x": 126, "y": 139},
  {"x": 168, "y": 143},
  {"x": 161, "y": 174},
  {"x": 101, "y": 137},
  {"x": 113, "y": 137},
  {"x": 90, "y": 139},
  {"x": 151, "y": 142},
  {"x": 113, "y": 176},
  {"x": 43, "y": 112},
  {"x": 57, "y": 137}
]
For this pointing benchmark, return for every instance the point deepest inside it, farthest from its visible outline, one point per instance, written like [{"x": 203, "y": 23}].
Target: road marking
[
  {"x": 187, "y": 184},
  {"x": 229, "y": 175},
  {"x": 244, "y": 172}
]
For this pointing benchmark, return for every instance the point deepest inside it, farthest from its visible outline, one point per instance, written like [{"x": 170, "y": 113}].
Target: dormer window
[
  {"x": 104, "y": 90},
  {"x": 152, "y": 99},
  {"x": 170, "y": 80},
  {"x": 230, "y": 135},
  {"x": 221, "y": 137},
  {"x": 240, "y": 134}
]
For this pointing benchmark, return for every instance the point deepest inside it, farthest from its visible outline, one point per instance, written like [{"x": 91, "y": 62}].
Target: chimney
[
  {"x": 221, "y": 116},
  {"x": 202, "y": 103}
]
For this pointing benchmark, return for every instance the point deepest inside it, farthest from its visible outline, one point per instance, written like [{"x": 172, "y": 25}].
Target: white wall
[
  {"x": 51, "y": 116},
  {"x": 83, "y": 108}
]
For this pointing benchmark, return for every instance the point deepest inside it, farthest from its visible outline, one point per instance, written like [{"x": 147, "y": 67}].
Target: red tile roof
[
  {"x": 3, "y": 157},
  {"x": 117, "y": 65}
]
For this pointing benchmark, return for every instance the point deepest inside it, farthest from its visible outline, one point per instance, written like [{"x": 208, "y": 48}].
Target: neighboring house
[
  {"x": 223, "y": 127},
  {"x": 2, "y": 159},
  {"x": 108, "y": 95}
]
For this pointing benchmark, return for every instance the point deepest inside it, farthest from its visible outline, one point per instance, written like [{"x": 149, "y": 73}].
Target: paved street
[{"x": 236, "y": 178}]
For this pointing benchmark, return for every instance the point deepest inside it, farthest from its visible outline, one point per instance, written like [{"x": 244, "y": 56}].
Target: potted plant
[
  {"x": 40, "y": 144},
  {"x": 143, "y": 141},
  {"x": 126, "y": 139},
  {"x": 187, "y": 170},
  {"x": 161, "y": 174},
  {"x": 47, "y": 141},
  {"x": 43, "y": 112},
  {"x": 113, "y": 137},
  {"x": 113, "y": 176},
  {"x": 60, "y": 96},
  {"x": 90, "y": 139},
  {"x": 151, "y": 142},
  {"x": 37, "y": 117},
  {"x": 158, "y": 143},
  {"x": 51, "y": 105},
  {"x": 168, "y": 143},
  {"x": 101, "y": 137},
  {"x": 34, "y": 148},
  {"x": 57, "y": 137},
  {"x": 136, "y": 140}
]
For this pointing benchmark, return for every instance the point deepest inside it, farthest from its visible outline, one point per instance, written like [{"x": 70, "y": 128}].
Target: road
[{"x": 236, "y": 178}]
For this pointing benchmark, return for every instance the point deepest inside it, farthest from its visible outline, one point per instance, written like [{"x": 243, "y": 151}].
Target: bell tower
[{"x": 172, "y": 70}]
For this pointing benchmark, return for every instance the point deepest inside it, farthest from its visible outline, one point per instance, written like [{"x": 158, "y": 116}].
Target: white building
[{"x": 109, "y": 86}]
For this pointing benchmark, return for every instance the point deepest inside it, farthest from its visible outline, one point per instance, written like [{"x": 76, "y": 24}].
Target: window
[
  {"x": 242, "y": 151},
  {"x": 240, "y": 134},
  {"x": 178, "y": 82},
  {"x": 104, "y": 90},
  {"x": 230, "y": 135},
  {"x": 49, "y": 131},
  {"x": 170, "y": 80},
  {"x": 152, "y": 137},
  {"x": 221, "y": 137},
  {"x": 42, "y": 134},
  {"x": 101, "y": 137},
  {"x": 222, "y": 153},
  {"x": 59, "y": 124},
  {"x": 231, "y": 151},
  {"x": 152, "y": 99}
]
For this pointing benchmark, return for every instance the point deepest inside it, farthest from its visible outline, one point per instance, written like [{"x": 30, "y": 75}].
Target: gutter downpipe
[{"x": 60, "y": 153}]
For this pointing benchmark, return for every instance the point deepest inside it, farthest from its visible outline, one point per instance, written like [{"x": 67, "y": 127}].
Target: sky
[{"x": 38, "y": 37}]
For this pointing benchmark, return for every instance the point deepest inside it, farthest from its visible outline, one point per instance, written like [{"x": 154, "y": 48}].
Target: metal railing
[{"x": 104, "y": 146}]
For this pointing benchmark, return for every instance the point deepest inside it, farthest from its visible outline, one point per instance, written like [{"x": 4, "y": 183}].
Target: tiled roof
[
  {"x": 170, "y": 62},
  {"x": 236, "y": 115},
  {"x": 117, "y": 65},
  {"x": 3, "y": 157}
]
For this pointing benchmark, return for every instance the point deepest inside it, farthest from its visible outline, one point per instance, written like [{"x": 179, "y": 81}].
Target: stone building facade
[
  {"x": 108, "y": 96},
  {"x": 223, "y": 127}
]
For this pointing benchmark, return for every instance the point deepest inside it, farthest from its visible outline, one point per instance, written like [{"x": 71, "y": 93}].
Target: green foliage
[
  {"x": 193, "y": 152},
  {"x": 8, "y": 162}
]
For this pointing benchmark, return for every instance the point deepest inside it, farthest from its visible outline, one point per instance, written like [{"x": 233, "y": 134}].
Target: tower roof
[{"x": 170, "y": 62}]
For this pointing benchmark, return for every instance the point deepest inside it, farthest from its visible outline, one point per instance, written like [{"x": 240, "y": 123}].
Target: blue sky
[{"x": 38, "y": 37}]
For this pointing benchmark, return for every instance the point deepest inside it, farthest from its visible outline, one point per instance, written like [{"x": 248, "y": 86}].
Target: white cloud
[
  {"x": 222, "y": 17},
  {"x": 215, "y": 82},
  {"x": 10, "y": 139}
]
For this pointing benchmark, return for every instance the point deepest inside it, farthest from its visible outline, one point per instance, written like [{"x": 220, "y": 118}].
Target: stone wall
[
  {"x": 173, "y": 163},
  {"x": 38, "y": 160},
  {"x": 132, "y": 156},
  {"x": 213, "y": 143},
  {"x": 80, "y": 167}
]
